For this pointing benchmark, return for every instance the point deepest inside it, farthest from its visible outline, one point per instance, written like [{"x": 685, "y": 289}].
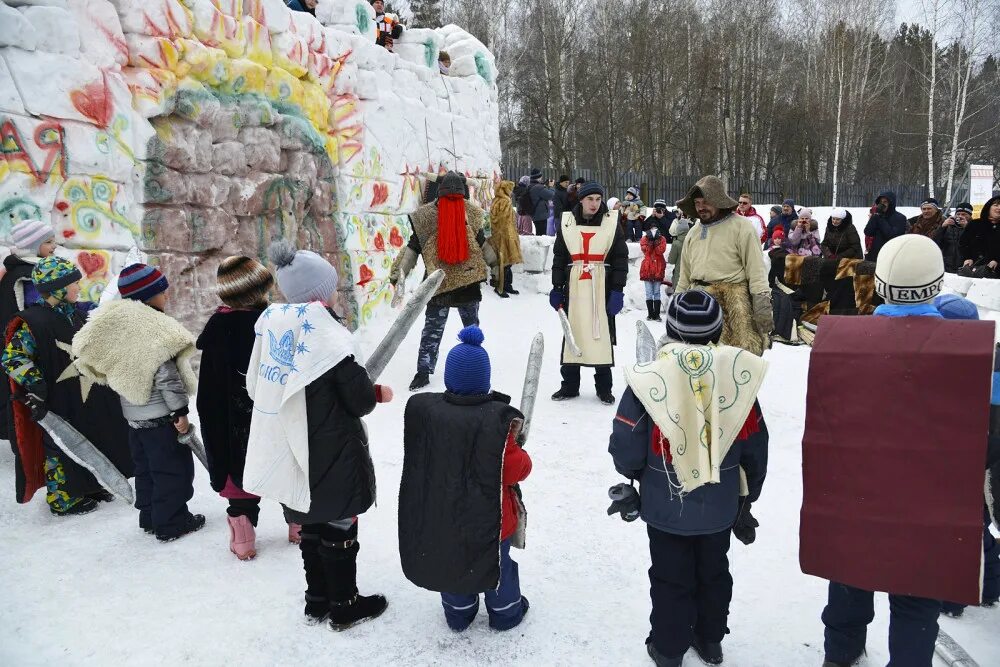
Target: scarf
[
  {"x": 453, "y": 244},
  {"x": 907, "y": 310},
  {"x": 699, "y": 396},
  {"x": 295, "y": 345}
]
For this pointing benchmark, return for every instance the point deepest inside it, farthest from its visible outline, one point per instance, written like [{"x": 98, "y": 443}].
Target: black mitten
[
  {"x": 624, "y": 501},
  {"x": 745, "y": 528},
  {"x": 34, "y": 399}
]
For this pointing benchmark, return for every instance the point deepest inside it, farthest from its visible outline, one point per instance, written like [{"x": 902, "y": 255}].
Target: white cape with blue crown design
[{"x": 296, "y": 344}]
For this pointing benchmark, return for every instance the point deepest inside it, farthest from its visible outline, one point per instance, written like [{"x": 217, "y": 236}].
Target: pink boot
[
  {"x": 242, "y": 537},
  {"x": 294, "y": 533}
]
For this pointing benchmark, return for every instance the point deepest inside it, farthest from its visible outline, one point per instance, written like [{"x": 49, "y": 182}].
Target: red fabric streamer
[{"x": 453, "y": 245}]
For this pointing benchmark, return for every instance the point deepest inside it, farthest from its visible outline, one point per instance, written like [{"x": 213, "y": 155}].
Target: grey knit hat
[
  {"x": 303, "y": 276},
  {"x": 452, "y": 183}
]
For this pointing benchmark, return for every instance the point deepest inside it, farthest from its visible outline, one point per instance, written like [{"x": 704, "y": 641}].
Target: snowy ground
[{"x": 95, "y": 590}]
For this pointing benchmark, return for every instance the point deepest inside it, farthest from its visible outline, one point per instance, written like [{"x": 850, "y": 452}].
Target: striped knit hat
[
  {"x": 54, "y": 273},
  {"x": 244, "y": 282},
  {"x": 141, "y": 282},
  {"x": 28, "y": 235},
  {"x": 694, "y": 317}
]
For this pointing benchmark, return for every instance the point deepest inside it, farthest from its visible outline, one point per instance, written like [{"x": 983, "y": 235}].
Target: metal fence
[{"x": 672, "y": 188}]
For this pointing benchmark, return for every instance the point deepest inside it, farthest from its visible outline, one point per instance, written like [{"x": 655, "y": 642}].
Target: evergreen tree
[{"x": 426, "y": 13}]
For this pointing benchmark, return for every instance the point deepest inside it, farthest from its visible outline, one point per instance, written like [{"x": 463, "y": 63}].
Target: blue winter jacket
[{"x": 711, "y": 508}]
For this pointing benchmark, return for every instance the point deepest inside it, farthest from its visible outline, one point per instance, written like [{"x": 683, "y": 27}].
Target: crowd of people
[
  {"x": 387, "y": 25},
  {"x": 281, "y": 397}
]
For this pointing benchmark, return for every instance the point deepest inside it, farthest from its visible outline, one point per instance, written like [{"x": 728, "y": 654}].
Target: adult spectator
[
  {"x": 929, "y": 220},
  {"x": 949, "y": 234},
  {"x": 746, "y": 209},
  {"x": 661, "y": 219},
  {"x": 884, "y": 224},
  {"x": 307, "y": 6},
  {"x": 387, "y": 26},
  {"x": 574, "y": 192},
  {"x": 980, "y": 243},
  {"x": 525, "y": 226},
  {"x": 561, "y": 201},
  {"x": 786, "y": 219},
  {"x": 537, "y": 201},
  {"x": 841, "y": 239}
]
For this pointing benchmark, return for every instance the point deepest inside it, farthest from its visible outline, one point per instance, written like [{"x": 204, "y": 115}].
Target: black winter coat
[
  {"x": 616, "y": 261},
  {"x": 981, "y": 240},
  {"x": 12, "y": 300},
  {"x": 99, "y": 418},
  {"x": 224, "y": 406},
  {"x": 341, "y": 472},
  {"x": 885, "y": 227},
  {"x": 450, "y": 493},
  {"x": 562, "y": 204},
  {"x": 949, "y": 239},
  {"x": 842, "y": 242},
  {"x": 540, "y": 198}
]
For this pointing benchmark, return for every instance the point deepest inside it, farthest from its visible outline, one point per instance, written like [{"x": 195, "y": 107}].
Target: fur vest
[
  {"x": 473, "y": 270},
  {"x": 125, "y": 342}
]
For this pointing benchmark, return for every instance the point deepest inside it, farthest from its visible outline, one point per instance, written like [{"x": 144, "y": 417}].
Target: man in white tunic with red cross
[{"x": 589, "y": 270}]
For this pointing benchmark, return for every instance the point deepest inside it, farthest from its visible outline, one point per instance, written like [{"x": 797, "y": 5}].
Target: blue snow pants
[
  {"x": 913, "y": 626},
  {"x": 505, "y": 605},
  {"x": 164, "y": 477},
  {"x": 991, "y": 568},
  {"x": 430, "y": 338}
]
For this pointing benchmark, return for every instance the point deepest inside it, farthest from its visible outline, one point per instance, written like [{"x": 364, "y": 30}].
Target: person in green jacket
[{"x": 678, "y": 231}]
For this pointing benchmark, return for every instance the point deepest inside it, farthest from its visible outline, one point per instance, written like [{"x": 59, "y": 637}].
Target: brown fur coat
[{"x": 504, "y": 238}]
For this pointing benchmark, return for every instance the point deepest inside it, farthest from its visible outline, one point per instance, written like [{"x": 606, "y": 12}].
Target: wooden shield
[{"x": 893, "y": 455}]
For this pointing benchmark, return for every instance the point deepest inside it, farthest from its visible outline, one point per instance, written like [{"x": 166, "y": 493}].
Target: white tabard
[{"x": 588, "y": 313}]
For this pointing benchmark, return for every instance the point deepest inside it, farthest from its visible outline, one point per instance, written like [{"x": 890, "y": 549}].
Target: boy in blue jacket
[{"x": 697, "y": 445}]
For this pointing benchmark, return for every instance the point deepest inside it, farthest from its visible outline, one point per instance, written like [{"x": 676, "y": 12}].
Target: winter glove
[
  {"x": 34, "y": 399},
  {"x": 616, "y": 301},
  {"x": 557, "y": 298},
  {"x": 745, "y": 528},
  {"x": 624, "y": 501}
]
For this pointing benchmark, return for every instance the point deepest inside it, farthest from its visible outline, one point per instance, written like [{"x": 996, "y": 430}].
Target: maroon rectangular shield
[{"x": 893, "y": 455}]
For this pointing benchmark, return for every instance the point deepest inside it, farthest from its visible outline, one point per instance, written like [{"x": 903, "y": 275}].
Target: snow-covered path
[{"x": 95, "y": 590}]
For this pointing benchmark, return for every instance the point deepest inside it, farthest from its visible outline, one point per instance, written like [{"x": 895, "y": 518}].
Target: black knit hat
[
  {"x": 932, "y": 201},
  {"x": 964, "y": 206},
  {"x": 694, "y": 317},
  {"x": 590, "y": 188},
  {"x": 563, "y": 178},
  {"x": 452, "y": 183},
  {"x": 536, "y": 174},
  {"x": 243, "y": 282},
  {"x": 581, "y": 180}
]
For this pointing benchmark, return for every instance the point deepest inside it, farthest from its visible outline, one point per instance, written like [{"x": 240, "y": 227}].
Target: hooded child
[
  {"x": 34, "y": 358},
  {"x": 153, "y": 382},
  {"x": 694, "y": 439},
  {"x": 448, "y": 234},
  {"x": 223, "y": 403},
  {"x": 459, "y": 511},
  {"x": 308, "y": 448}
]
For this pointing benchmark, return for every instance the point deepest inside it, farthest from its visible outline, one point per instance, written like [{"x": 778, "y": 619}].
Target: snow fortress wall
[{"x": 199, "y": 129}]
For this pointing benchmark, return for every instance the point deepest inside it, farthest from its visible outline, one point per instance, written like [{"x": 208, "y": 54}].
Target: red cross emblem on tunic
[{"x": 586, "y": 257}]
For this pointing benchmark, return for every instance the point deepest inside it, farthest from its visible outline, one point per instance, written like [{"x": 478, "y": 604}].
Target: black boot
[
  {"x": 317, "y": 603},
  {"x": 83, "y": 506},
  {"x": 649, "y": 310},
  {"x": 420, "y": 380},
  {"x": 709, "y": 652},
  {"x": 656, "y": 310},
  {"x": 564, "y": 394},
  {"x": 502, "y": 295},
  {"x": 193, "y": 523},
  {"x": 660, "y": 659},
  {"x": 340, "y": 567},
  {"x": 102, "y": 496}
]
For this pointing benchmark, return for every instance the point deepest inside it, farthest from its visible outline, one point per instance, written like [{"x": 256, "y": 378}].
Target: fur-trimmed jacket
[
  {"x": 461, "y": 281},
  {"x": 144, "y": 355}
]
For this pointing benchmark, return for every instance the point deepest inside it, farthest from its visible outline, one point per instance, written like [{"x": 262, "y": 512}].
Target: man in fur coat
[
  {"x": 589, "y": 270},
  {"x": 722, "y": 256},
  {"x": 448, "y": 234}
]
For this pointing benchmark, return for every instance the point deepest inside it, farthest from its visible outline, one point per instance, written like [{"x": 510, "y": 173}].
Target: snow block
[
  {"x": 56, "y": 29},
  {"x": 59, "y": 86},
  {"x": 273, "y": 14},
  {"x": 156, "y": 18},
  {"x": 985, "y": 293},
  {"x": 16, "y": 29},
  {"x": 152, "y": 52},
  {"x": 10, "y": 100},
  {"x": 100, "y": 19}
]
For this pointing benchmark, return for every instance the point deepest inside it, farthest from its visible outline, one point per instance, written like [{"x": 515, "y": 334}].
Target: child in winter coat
[
  {"x": 686, "y": 454},
  {"x": 653, "y": 269},
  {"x": 632, "y": 206},
  {"x": 803, "y": 239},
  {"x": 35, "y": 360},
  {"x": 308, "y": 447},
  {"x": 145, "y": 355},
  {"x": 223, "y": 403},
  {"x": 460, "y": 456}
]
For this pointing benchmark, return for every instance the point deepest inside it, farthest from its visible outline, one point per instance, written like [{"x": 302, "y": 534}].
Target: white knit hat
[
  {"x": 840, "y": 213},
  {"x": 909, "y": 270},
  {"x": 28, "y": 235}
]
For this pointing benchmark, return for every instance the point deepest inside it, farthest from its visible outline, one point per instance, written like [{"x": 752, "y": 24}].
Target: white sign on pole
[{"x": 980, "y": 183}]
